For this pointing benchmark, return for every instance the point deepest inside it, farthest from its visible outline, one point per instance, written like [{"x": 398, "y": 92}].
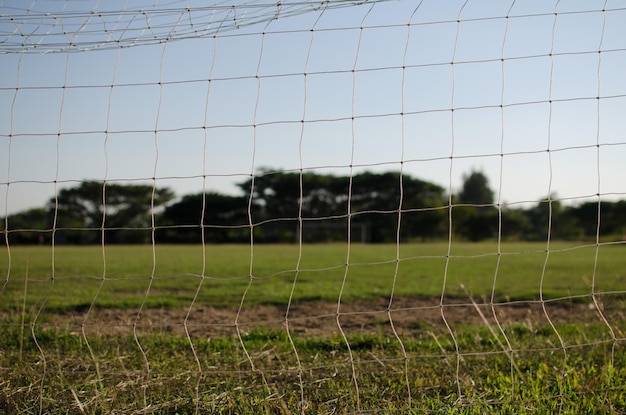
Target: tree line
[{"x": 286, "y": 207}]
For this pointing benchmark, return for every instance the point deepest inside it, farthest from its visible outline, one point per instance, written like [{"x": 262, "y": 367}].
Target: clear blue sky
[{"x": 372, "y": 97}]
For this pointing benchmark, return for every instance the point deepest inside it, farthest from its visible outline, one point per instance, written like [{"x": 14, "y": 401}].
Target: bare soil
[{"x": 407, "y": 315}]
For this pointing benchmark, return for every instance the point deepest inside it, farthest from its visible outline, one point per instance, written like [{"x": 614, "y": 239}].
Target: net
[{"x": 312, "y": 206}]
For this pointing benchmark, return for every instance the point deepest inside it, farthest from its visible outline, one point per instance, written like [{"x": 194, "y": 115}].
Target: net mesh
[{"x": 231, "y": 101}]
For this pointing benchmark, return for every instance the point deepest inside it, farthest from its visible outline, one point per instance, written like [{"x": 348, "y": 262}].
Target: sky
[{"x": 197, "y": 96}]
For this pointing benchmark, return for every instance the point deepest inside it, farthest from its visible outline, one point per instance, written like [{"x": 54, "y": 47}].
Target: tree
[
  {"x": 322, "y": 201},
  {"x": 122, "y": 210},
  {"x": 225, "y": 219},
  {"x": 612, "y": 219},
  {"x": 32, "y": 226},
  {"x": 516, "y": 224},
  {"x": 550, "y": 218},
  {"x": 376, "y": 198},
  {"x": 476, "y": 219},
  {"x": 278, "y": 198},
  {"x": 475, "y": 190}
]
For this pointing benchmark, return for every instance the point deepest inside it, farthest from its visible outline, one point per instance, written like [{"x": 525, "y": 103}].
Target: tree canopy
[
  {"x": 223, "y": 218},
  {"x": 476, "y": 190},
  {"x": 284, "y": 206},
  {"x": 121, "y": 209},
  {"x": 370, "y": 200},
  {"x": 476, "y": 218}
]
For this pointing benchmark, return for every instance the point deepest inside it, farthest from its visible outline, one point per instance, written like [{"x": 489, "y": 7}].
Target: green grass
[
  {"x": 60, "y": 374},
  {"x": 523, "y": 369},
  {"x": 120, "y": 276}
]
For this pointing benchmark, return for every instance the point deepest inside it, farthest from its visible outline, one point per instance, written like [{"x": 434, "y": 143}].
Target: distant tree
[
  {"x": 476, "y": 189},
  {"x": 549, "y": 217},
  {"x": 373, "y": 199},
  {"x": 32, "y": 226},
  {"x": 225, "y": 219},
  {"x": 515, "y": 224},
  {"x": 81, "y": 211},
  {"x": 477, "y": 219},
  {"x": 281, "y": 195},
  {"x": 377, "y": 197},
  {"x": 611, "y": 219},
  {"x": 278, "y": 198},
  {"x": 587, "y": 217}
]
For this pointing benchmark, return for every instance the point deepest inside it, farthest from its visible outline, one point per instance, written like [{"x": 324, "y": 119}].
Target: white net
[{"x": 312, "y": 206}]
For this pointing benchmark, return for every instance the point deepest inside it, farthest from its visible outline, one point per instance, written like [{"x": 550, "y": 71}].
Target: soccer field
[
  {"x": 173, "y": 275},
  {"x": 312, "y": 207},
  {"x": 279, "y": 328}
]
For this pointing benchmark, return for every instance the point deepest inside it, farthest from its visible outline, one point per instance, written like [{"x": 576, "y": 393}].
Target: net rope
[{"x": 70, "y": 29}]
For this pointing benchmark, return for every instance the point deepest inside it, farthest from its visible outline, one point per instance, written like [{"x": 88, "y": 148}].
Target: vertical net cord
[
  {"x": 102, "y": 231},
  {"x": 400, "y": 202},
  {"x": 102, "y": 226},
  {"x": 44, "y": 362},
  {"x": 450, "y": 209},
  {"x": 303, "y": 405},
  {"x": 54, "y": 225},
  {"x": 597, "y": 304},
  {"x": 103, "y": 253},
  {"x": 250, "y": 218},
  {"x": 299, "y": 259},
  {"x": 6, "y": 208},
  {"x": 202, "y": 226},
  {"x": 550, "y": 216},
  {"x": 8, "y": 170},
  {"x": 508, "y": 349},
  {"x": 349, "y": 219},
  {"x": 6, "y": 229},
  {"x": 104, "y": 184},
  {"x": 152, "y": 219},
  {"x": 550, "y": 178}
]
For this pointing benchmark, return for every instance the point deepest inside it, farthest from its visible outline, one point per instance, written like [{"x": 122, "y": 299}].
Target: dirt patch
[{"x": 407, "y": 315}]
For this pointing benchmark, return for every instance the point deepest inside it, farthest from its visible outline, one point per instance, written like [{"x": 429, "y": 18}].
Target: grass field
[
  {"x": 572, "y": 363},
  {"x": 173, "y": 273}
]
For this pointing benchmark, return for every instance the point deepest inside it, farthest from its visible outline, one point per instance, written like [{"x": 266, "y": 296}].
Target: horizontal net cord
[{"x": 185, "y": 28}]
